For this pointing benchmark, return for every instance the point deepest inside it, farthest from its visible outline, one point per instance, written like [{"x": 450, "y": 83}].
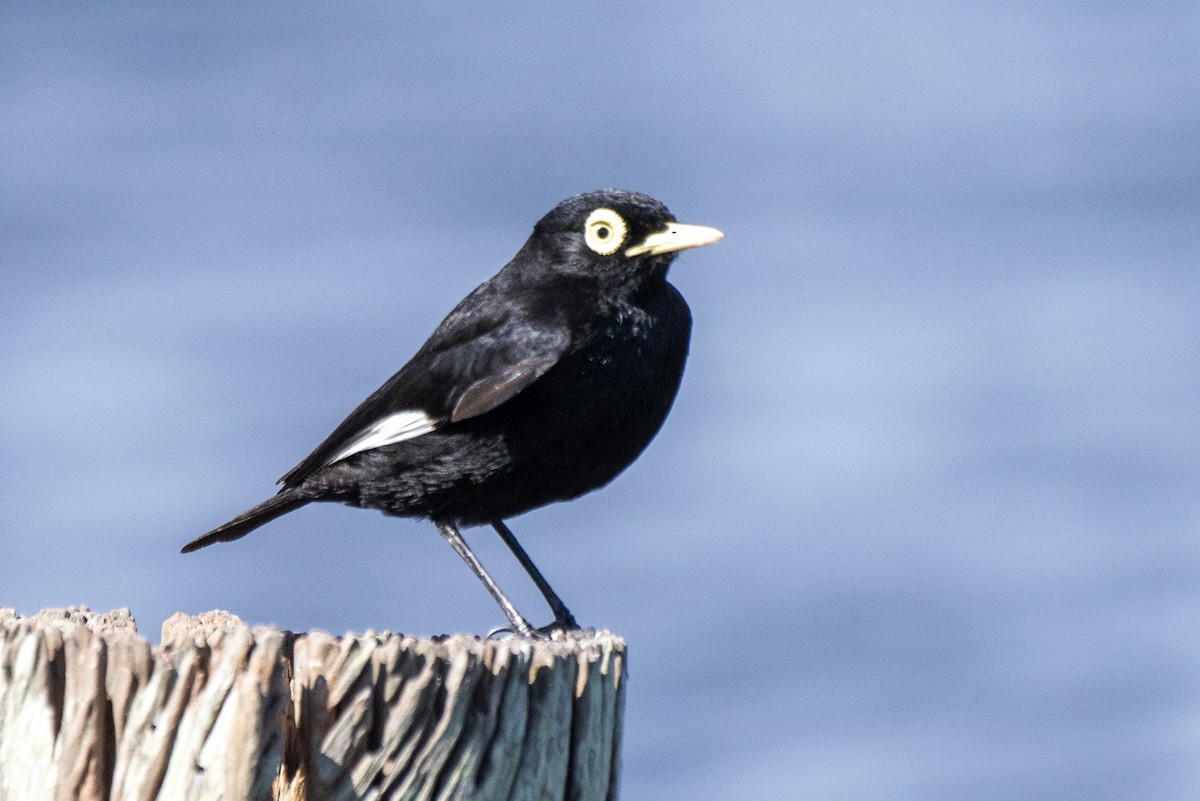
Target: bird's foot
[
  {"x": 546, "y": 632},
  {"x": 565, "y": 622}
]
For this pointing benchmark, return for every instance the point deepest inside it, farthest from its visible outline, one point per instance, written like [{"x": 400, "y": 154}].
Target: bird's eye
[{"x": 604, "y": 231}]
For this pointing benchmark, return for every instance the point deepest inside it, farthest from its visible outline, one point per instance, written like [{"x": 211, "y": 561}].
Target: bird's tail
[{"x": 247, "y": 521}]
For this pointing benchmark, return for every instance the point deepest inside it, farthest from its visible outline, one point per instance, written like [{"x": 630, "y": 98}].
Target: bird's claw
[
  {"x": 546, "y": 632},
  {"x": 500, "y": 632}
]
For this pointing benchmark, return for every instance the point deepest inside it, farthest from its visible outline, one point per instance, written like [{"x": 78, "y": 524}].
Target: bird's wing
[{"x": 475, "y": 361}]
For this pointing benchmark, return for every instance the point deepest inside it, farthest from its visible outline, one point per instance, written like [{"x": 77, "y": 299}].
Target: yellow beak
[{"x": 677, "y": 236}]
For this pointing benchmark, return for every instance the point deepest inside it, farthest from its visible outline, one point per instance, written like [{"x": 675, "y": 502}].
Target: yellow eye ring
[{"x": 604, "y": 231}]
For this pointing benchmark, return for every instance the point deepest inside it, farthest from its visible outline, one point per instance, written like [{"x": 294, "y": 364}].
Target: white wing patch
[{"x": 388, "y": 431}]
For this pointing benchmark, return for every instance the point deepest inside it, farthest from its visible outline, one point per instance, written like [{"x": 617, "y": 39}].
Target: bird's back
[{"x": 571, "y": 431}]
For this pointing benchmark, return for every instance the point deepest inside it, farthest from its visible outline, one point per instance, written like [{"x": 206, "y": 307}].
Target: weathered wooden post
[{"x": 90, "y": 710}]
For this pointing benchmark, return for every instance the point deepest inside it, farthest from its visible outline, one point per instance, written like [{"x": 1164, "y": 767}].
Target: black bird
[{"x": 544, "y": 383}]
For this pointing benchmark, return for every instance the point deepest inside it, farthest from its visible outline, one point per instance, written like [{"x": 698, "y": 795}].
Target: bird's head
[{"x": 617, "y": 236}]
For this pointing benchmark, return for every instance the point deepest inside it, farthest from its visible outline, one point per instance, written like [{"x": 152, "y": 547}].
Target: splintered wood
[{"x": 89, "y": 710}]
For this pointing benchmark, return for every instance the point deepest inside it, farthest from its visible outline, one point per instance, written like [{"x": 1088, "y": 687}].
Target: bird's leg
[
  {"x": 563, "y": 619},
  {"x": 450, "y": 534}
]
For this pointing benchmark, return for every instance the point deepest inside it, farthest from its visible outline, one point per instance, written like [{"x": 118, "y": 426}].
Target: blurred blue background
[{"x": 924, "y": 521}]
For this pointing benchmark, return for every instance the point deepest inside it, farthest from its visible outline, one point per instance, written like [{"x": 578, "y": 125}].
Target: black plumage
[{"x": 542, "y": 384}]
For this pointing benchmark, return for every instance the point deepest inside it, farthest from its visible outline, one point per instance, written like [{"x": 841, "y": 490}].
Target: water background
[{"x": 925, "y": 521}]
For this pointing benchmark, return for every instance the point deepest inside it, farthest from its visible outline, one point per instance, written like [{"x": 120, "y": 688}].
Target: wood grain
[{"x": 89, "y": 710}]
